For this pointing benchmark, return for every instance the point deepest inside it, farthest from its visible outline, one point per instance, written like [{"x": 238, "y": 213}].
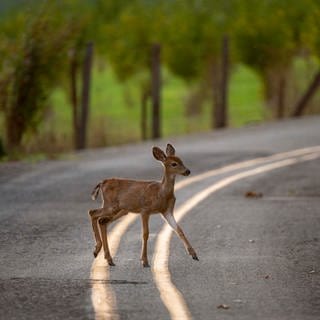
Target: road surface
[{"x": 259, "y": 254}]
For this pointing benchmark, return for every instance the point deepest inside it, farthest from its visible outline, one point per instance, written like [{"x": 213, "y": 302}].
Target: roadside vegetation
[
  {"x": 115, "y": 111},
  {"x": 78, "y": 74}
]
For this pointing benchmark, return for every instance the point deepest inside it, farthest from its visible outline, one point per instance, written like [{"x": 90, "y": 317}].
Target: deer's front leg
[
  {"x": 168, "y": 216},
  {"x": 145, "y": 236}
]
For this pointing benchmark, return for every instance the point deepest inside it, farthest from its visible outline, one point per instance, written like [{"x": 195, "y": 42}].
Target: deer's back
[{"x": 134, "y": 195}]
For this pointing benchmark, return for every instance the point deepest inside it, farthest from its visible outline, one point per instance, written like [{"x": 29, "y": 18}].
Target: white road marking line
[
  {"x": 103, "y": 298},
  {"x": 245, "y": 164},
  {"x": 170, "y": 295}
]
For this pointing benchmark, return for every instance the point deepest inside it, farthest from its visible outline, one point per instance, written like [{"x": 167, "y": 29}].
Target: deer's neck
[{"x": 167, "y": 183}]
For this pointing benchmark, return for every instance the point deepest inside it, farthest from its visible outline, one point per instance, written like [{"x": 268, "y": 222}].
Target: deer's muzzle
[{"x": 187, "y": 172}]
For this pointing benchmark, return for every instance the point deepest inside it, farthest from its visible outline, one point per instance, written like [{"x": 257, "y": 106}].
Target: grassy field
[{"x": 115, "y": 110}]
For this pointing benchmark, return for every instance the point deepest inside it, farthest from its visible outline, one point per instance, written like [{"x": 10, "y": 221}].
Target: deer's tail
[{"x": 96, "y": 191}]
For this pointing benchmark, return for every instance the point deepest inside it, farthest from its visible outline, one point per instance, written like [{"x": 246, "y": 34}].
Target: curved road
[{"x": 259, "y": 256}]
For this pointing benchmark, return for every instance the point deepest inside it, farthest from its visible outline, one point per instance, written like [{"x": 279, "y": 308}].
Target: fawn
[{"x": 121, "y": 196}]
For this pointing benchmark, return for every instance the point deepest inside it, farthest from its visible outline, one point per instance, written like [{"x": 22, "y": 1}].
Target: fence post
[
  {"x": 144, "y": 115},
  {"x": 306, "y": 97},
  {"x": 156, "y": 91},
  {"x": 74, "y": 96},
  {"x": 86, "y": 80},
  {"x": 221, "y": 107}
]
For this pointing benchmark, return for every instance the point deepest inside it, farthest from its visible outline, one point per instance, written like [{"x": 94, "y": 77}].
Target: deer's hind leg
[
  {"x": 145, "y": 236},
  {"x": 94, "y": 215},
  {"x": 103, "y": 223}
]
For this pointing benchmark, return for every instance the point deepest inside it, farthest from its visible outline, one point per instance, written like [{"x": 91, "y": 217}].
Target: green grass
[
  {"x": 115, "y": 107},
  {"x": 115, "y": 111},
  {"x": 245, "y": 98}
]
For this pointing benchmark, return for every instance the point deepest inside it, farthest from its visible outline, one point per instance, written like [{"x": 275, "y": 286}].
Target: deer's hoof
[
  {"x": 192, "y": 253},
  {"x": 195, "y": 257},
  {"x": 145, "y": 264},
  {"x": 111, "y": 263},
  {"x": 97, "y": 250}
]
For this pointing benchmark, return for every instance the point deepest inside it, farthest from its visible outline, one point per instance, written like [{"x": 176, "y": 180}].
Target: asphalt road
[{"x": 259, "y": 257}]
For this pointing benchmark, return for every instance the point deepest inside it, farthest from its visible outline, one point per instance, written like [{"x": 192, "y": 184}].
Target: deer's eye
[{"x": 174, "y": 164}]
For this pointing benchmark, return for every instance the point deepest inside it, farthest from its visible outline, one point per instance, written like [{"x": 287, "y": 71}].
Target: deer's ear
[
  {"x": 159, "y": 154},
  {"x": 170, "y": 150}
]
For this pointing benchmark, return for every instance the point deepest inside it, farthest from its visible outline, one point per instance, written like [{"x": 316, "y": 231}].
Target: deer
[{"x": 121, "y": 196}]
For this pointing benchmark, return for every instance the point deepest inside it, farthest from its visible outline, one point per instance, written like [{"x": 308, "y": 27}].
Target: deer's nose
[{"x": 187, "y": 172}]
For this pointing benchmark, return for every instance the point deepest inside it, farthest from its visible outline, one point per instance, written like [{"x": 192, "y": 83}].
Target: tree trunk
[
  {"x": 74, "y": 66},
  {"x": 281, "y": 97},
  {"x": 144, "y": 114},
  {"x": 156, "y": 91},
  {"x": 4, "y": 94},
  {"x": 15, "y": 127},
  {"x": 223, "y": 114},
  {"x": 86, "y": 79},
  {"x": 306, "y": 97},
  {"x": 220, "y": 89},
  {"x": 216, "y": 96},
  {"x": 24, "y": 88}
]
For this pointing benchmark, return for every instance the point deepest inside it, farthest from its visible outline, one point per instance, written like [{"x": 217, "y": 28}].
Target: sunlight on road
[{"x": 103, "y": 297}]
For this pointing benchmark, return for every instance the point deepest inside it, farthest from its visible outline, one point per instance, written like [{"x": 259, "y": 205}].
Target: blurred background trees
[{"x": 223, "y": 62}]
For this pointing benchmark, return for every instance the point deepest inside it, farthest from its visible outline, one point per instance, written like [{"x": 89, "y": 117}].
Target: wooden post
[
  {"x": 225, "y": 80},
  {"x": 86, "y": 79},
  {"x": 74, "y": 97},
  {"x": 303, "y": 102},
  {"x": 221, "y": 105},
  {"x": 144, "y": 114},
  {"x": 281, "y": 97},
  {"x": 156, "y": 91}
]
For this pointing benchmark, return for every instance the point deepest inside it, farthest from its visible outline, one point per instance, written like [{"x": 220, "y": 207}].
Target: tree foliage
[
  {"x": 40, "y": 41},
  {"x": 33, "y": 62}
]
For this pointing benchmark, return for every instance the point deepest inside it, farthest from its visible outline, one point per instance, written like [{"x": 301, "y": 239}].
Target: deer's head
[{"x": 172, "y": 163}]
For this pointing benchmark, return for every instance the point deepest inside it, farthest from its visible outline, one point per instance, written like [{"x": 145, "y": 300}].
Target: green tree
[
  {"x": 41, "y": 43},
  {"x": 31, "y": 67},
  {"x": 130, "y": 38},
  {"x": 267, "y": 42},
  {"x": 307, "y": 30},
  {"x": 197, "y": 50}
]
